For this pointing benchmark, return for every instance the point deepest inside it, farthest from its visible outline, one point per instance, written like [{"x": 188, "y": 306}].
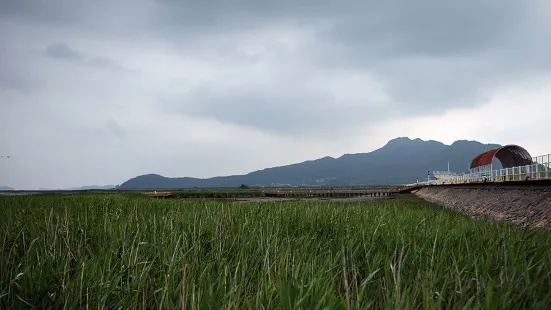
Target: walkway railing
[{"x": 539, "y": 170}]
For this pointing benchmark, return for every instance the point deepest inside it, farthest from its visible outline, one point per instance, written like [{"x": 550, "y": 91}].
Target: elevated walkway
[
  {"x": 536, "y": 171},
  {"x": 331, "y": 193}
]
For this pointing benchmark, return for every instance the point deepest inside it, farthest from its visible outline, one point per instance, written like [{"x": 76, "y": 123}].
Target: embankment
[{"x": 525, "y": 206}]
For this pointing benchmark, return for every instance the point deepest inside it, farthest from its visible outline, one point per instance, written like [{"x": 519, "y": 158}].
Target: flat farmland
[{"x": 118, "y": 250}]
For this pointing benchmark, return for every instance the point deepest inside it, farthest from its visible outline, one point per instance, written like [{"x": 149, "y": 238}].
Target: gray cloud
[
  {"x": 115, "y": 17},
  {"x": 428, "y": 28},
  {"x": 62, "y": 51},
  {"x": 14, "y": 75},
  {"x": 115, "y": 128},
  {"x": 287, "y": 111},
  {"x": 430, "y": 55},
  {"x": 13, "y": 79},
  {"x": 385, "y": 29},
  {"x": 280, "y": 69}
]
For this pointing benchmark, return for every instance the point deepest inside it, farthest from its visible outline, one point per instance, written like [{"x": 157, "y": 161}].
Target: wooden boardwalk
[
  {"x": 337, "y": 192},
  {"x": 294, "y": 192},
  {"x": 156, "y": 194}
]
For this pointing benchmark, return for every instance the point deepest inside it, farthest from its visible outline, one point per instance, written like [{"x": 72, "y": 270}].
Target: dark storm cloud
[
  {"x": 429, "y": 28},
  {"x": 62, "y": 51},
  {"x": 284, "y": 111},
  {"x": 381, "y": 28},
  {"x": 429, "y": 55},
  {"x": 55, "y": 12}
]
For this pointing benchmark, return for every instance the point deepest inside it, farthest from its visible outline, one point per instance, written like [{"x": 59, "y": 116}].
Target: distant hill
[
  {"x": 80, "y": 188},
  {"x": 6, "y": 188},
  {"x": 400, "y": 161},
  {"x": 90, "y": 187}
]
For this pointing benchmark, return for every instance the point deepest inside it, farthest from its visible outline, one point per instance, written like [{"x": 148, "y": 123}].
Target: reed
[{"x": 107, "y": 251}]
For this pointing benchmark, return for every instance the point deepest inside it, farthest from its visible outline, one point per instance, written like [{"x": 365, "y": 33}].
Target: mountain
[
  {"x": 89, "y": 187},
  {"x": 400, "y": 161},
  {"x": 6, "y": 188}
]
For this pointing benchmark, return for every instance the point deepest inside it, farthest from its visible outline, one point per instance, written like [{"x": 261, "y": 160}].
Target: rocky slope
[{"x": 525, "y": 206}]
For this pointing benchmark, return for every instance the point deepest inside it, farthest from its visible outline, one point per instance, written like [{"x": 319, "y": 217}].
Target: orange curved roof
[
  {"x": 509, "y": 156},
  {"x": 484, "y": 158}
]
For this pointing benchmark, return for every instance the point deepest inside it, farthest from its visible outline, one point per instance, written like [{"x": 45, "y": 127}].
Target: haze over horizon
[{"x": 99, "y": 92}]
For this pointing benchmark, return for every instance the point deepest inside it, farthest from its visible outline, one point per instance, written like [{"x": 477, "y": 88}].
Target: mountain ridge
[{"x": 401, "y": 160}]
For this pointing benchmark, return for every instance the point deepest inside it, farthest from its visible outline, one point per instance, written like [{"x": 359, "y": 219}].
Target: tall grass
[{"x": 119, "y": 251}]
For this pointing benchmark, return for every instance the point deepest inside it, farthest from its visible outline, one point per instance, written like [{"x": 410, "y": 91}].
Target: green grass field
[{"x": 118, "y": 251}]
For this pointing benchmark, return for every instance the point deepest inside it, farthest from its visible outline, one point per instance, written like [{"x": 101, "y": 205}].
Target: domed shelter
[{"x": 509, "y": 156}]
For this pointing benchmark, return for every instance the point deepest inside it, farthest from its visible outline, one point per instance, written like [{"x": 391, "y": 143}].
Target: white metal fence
[{"x": 539, "y": 170}]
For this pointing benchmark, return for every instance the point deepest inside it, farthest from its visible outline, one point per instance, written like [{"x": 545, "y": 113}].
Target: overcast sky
[{"x": 97, "y": 92}]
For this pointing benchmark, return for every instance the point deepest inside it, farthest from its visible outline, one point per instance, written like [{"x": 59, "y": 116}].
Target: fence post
[{"x": 547, "y": 168}]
